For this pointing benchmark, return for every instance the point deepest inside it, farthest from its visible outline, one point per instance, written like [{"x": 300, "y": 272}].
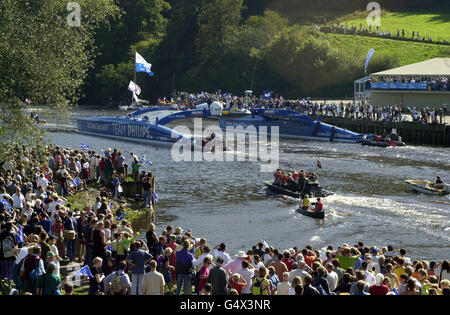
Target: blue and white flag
[
  {"x": 121, "y": 217},
  {"x": 143, "y": 161},
  {"x": 84, "y": 146},
  {"x": 76, "y": 182},
  {"x": 7, "y": 206},
  {"x": 143, "y": 66},
  {"x": 85, "y": 271},
  {"x": 395, "y": 291},
  {"x": 19, "y": 234},
  {"x": 155, "y": 196},
  {"x": 111, "y": 205},
  {"x": 369, "y": 56},
  {"x": 267, "y": 95}
]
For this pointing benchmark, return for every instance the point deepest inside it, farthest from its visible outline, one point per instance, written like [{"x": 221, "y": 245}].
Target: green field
[
  {"x": 436, "y": 25},
  {"x": 407, "y": 52}
]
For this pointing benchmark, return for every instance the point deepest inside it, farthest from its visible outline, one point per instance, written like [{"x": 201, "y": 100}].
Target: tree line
[{"x": 232, "y": 45}]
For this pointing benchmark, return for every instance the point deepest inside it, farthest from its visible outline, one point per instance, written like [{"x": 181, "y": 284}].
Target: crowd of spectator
[
  {"x": 433, "y": 84},
  {"x": 396, "y": 113},
  {"x": 40, "y": 229},
  {"x": 416, "y": 36}
]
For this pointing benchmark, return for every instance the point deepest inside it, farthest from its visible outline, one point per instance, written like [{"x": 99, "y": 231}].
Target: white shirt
[
  {"x": 225, "y": 256},
  {"x": 291, "y": 291},
  {"x": 283, "y": 288},
  {"x": 107, "y": 234},
  {"x": 153, "y": 281},
  {"x": 19, "y": 200},
  {"x": 55, "y": 261},
  {"x": 333, "y": 279},
  {"x": 259, "y": 265},
  {"x": 297, "y": 273},
  {"x": 28, "y": 212},
  {"x": 22, "y": 254},
  {"x": 198, "y": 263},
  {"x": 52, "y": 209},
  {"x": 266, "y": 258},
  {"x": 42, "y": 181},
  {"x": 247, "y": 274},
  {"x": 370, "y": 278},
  {"x": 63, "y": 172}
]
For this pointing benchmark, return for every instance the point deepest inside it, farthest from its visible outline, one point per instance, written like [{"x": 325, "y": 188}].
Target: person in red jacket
[{"x": 319, "y": 205}]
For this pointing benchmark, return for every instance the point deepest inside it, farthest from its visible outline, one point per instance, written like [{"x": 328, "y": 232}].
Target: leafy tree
[
  {"x": 142, "y": 23},
  {"x": 43, "y": 59},
  {"x": 218, "y": 27}
]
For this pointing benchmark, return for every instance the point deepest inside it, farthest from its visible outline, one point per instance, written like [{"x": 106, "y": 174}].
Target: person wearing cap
[
  {"x": 218, "y": 278},
  {"x": 49, "y": 283}
]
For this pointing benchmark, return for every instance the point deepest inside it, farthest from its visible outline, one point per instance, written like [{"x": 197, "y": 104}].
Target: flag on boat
[
  {"x": 133, "y": 87},
  {"x": 85, "y": 271},
  {"x": 369, "y": 56},
  {"x": 143, "y": 66}
]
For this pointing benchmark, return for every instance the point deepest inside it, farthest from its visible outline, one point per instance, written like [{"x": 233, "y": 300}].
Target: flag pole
[{"x": 132, "y": 100}]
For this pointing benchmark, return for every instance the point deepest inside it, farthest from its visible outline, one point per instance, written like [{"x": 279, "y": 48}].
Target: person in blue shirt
[
  {"x": 137, "y": 259},
  {"x": 70, "y": 224},
  {"x": 183, "y": 269},
  {"x": 46, "y": 223},
  {"x": 360, "y": 288}
]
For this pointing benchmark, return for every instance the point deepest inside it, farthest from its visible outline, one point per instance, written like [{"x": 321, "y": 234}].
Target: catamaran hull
[{"x": 290, "y": 125}]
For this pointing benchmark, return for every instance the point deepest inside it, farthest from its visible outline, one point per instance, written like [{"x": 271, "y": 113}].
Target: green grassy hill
[
  {"x": 434, "y": 24},
  {"x": 407, "y": 52},
  {"x": 429, "y": 23}
]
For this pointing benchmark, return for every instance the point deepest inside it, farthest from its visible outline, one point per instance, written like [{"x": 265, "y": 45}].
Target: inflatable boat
[
  {"x": 378, "y": 141},
  {"x": 313, "y": 189},
  {"x": 312, "y": 214},
  {"x": 429, "y": 188}
]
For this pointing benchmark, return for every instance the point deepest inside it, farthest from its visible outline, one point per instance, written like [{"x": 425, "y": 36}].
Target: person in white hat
[{"x": 235, "y": 265}]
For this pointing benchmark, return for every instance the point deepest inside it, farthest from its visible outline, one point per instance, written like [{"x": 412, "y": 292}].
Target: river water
[{"x": 226, "y": 201}]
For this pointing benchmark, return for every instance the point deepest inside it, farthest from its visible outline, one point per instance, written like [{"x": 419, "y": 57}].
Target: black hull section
[
  {"x": 312, "y": 214},
  {"x": 311, "y": 189}
]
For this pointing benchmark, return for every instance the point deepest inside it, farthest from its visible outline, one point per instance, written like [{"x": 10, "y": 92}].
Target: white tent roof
[{"x": 432, "y": 67}]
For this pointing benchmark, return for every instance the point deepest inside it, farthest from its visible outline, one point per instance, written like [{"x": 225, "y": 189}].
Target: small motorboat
[
  {"x": 311, "y": 213},
  {"x": 429, "y": 188},
  {"x": 379, "y": 141},
  {"x": 313, "y": 189}
]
